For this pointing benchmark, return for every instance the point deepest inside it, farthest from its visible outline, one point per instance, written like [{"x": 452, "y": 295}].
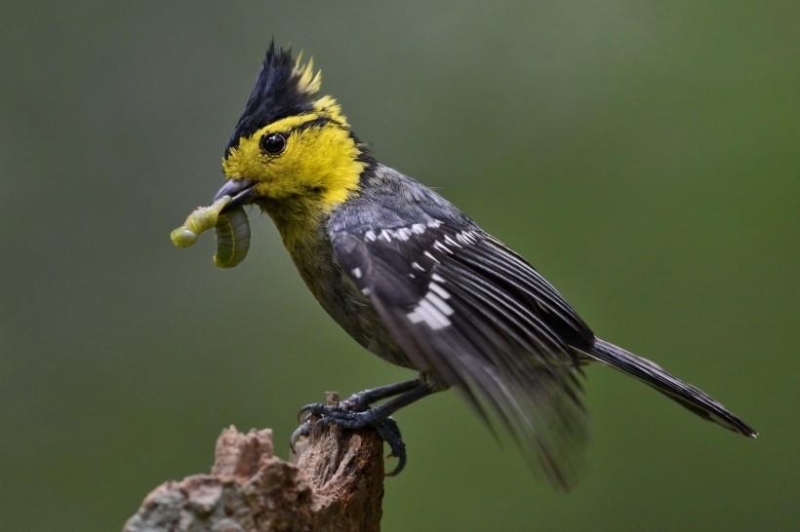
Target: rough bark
[{"x": 336, "y": 485}]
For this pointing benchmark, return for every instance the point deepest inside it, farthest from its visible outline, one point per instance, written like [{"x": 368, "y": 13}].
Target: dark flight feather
[
  {"x": 475, "y": 315},
  {"x": 488, "y": 331},
  {"x": 683, "y": 393}
]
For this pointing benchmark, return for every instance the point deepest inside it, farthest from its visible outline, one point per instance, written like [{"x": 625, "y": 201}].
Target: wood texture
[{"x": 336, "y": 485}]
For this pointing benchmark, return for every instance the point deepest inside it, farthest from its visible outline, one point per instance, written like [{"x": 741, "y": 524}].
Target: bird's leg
[
  {"x": 361, "y": 400},
  {"x": 354, "y": 413}
]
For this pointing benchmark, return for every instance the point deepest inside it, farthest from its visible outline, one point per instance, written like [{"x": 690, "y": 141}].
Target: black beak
[{"x": 241, "y": 191}]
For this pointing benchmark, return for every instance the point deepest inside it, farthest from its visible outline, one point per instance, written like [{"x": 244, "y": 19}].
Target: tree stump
[{"x": 335, "y": 485}]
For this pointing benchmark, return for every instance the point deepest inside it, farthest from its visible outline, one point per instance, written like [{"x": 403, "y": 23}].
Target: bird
[{"x": 418, "y": 283}]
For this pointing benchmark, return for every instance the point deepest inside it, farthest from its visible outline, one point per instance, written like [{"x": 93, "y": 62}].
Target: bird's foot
[{"x": 352, "y": 414}]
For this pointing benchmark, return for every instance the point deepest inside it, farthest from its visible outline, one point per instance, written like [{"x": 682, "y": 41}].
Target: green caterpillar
[{"x": 232, "y": 229}]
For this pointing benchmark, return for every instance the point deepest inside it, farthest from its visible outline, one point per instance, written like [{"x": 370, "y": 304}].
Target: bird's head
[{"x": 291, "y": 145}]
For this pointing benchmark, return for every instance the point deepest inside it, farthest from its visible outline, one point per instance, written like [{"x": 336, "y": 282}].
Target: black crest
[{"x": 284, "y": 87}]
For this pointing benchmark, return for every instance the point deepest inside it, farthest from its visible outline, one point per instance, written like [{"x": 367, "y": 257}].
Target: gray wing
[{"x": 470, "y": 311}]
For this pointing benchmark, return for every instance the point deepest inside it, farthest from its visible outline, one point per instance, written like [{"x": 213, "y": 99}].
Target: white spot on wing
[
  {"x": 357, "y": 273},
  {"x": 439, "y": 303},
  {"x": 433, "y": 309},
  {"x": 441, "y": 247},
  {"x": 426, "y": 313},
  {"x": 370, "y": 235},
  {"x": 451, "y": 242},
  {"x": 467, "y": 237},
  {"x": 438, "y": 290},
  {"x": 428, "y": 254}
]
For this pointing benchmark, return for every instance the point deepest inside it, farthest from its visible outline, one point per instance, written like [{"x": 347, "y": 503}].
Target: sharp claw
[
  {"x": 309, "y": 410},
  {"x": 351, "y": 414},
  {"x": 301, "y": 431},
  {"x": 401, "y": 464},
  {"x": 389, "y": 432},
  {"x": 321, "y": 423}
]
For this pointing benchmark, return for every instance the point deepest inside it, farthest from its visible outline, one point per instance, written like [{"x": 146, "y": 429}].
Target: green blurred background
[{"x": 645, "y": 156}]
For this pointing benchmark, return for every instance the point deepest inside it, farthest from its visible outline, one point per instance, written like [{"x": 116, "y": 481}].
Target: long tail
[{"x": 685, "y": 394}]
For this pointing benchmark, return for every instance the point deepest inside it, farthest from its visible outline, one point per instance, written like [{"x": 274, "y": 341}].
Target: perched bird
[{"x": 418, "y": 283}]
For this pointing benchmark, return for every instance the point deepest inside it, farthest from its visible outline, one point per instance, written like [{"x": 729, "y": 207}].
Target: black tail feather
[{"x": 684, "y": 394}]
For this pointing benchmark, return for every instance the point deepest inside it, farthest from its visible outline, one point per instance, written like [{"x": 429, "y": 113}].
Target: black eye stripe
[{"x": 318, "y": 122}]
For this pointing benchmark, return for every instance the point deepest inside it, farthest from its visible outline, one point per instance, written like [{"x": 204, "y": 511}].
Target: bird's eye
[{"x": 273, "y": 143}]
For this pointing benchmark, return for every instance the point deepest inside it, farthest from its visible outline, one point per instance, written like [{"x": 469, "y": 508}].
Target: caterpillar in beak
[{"x": 232, "y": 229}]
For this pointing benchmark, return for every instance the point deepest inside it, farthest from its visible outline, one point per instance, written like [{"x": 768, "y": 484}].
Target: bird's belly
[{"x": 345, "y": 303}]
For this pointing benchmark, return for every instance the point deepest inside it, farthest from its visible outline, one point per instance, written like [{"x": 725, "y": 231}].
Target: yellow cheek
[{"x": 323, "y": 158}]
